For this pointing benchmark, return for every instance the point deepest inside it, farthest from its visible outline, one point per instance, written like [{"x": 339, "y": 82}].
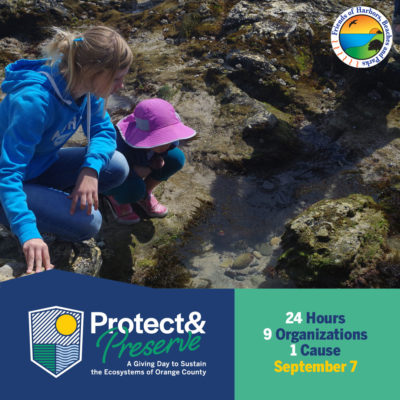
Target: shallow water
[{"x": 241, "y": 236}]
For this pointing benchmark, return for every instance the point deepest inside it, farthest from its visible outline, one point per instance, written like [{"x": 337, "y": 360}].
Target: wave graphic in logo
[{"x": 56, "y": 335}]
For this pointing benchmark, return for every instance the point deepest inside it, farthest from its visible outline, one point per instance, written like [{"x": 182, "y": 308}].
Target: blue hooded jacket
[{"x": 37, "y": 117}]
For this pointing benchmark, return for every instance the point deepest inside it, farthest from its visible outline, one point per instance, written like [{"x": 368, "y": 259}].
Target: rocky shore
[{"x": 293, "y": 178}]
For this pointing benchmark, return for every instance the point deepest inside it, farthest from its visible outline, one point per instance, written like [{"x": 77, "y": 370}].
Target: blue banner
[{"x": 66, "y": 335}]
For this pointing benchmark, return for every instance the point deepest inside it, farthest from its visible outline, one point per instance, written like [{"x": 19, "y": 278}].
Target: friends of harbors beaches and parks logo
[
  {"x": 361, "y": 37},
  {"x": 56, "y": 337}
]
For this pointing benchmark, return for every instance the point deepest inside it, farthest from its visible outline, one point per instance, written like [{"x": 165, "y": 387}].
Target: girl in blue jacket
[{"x": 46, "y": 102}]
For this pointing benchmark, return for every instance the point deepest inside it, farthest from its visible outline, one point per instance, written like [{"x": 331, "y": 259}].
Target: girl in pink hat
[{"x": 148, "y": 138}]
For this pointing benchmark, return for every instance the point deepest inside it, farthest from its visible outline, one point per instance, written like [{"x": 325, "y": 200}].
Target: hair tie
[{"x": 78, "y": 39}]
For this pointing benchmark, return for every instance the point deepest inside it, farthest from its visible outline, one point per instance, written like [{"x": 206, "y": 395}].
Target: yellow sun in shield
[{"x": 66, "y": 324}]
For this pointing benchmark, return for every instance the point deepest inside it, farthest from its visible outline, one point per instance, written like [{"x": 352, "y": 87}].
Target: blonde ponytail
[{"x": 84, "y": 55}]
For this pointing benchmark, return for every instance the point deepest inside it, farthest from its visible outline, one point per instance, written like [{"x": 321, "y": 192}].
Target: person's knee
[
  {"x": 177, "y": 161},
  {"x": 180, "y": 160},
  {"x": 119, "y": 169},
  {"x": 90, "y": 226},
  {"x": 121, "y": 166}
]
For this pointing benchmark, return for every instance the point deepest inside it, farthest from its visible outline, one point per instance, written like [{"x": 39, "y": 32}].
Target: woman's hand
[
  {"x": 85, "y": 191},
  {"x": 37, "y": 255}
]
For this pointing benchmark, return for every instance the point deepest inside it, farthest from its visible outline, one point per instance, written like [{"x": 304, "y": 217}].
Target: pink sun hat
[{"x": 153, "y": 123}]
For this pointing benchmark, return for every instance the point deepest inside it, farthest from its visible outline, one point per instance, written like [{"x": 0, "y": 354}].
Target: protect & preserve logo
[
  {"x": 56, "y": 335},
  {"x": 361, "y": 37}
]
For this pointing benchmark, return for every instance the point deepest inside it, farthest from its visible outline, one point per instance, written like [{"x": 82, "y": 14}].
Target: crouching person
[
  {"x": 46, "y": 101},
  {"x": 149, "y": 140}
]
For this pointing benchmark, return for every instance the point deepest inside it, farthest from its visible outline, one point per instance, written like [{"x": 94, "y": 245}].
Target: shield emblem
[{"x": 56, "y": 335}]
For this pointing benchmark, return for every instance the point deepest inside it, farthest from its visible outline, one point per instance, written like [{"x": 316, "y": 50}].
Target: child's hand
[
  {"x": 37, "y": 255},
  {"x": 85, "y": 191},
  {"x": 157, "y": 162}
]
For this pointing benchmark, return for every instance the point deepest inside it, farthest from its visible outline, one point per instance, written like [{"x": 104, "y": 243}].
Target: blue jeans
[
  {"x": 396, "y": 12},
  {"x": 47, "y": 199},
  {"x": 134, "y": 187}
]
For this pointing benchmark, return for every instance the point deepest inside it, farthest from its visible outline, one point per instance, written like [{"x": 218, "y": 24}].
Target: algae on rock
[{"x": 329, "y": 240}]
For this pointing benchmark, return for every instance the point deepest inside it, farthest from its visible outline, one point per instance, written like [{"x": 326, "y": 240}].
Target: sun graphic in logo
[{"x": 66, "y": 324}]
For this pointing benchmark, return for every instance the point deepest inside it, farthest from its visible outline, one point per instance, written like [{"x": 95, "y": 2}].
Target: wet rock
[
  {"x": 32, "y": 17},
  {"x": 389, "y": 273},
  {"x": 227, "y": 263},
  {"x": 331, "y": 240},
  {"x": 281, "y": 82},
  {"x": 11, "y": 269},
  {"x": 235, "y": 274},
  {"x": 278, "y": 19},
  {"x": 81, "y": 257},
  {"x": 253, "y": 264},
  {"x": 53, "y": 6},
  {"x": 252, "y": 62},
  {"x": 204, "y": 9},
  {"x": 87, "y": 258},
  {"x": 199, "y": 283},
  {"x": 9, "y": 246},
  {"x": 323, "y": 234},
  {"x": 208, "y": 247},
  {"x": 11, "y": 50},
  {"x": 261, "y": 121},
  {"x": 243, "y": 13},
  {"x": 265, "y": 249},
  {"x": 393, "y": 243},
  {"x": 121, "y": 104},
  {"x": 257, "y": 254},
  {"x": 243, "y": 261},
  {"x": 275, "y": 241}
]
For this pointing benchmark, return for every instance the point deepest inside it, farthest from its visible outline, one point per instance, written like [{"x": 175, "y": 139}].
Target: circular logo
[{"x": 361, "y": 37}]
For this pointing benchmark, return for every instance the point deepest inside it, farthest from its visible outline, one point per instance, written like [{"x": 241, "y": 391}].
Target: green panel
[
  {"x": 374, "y": 312},
  {"x": 45, "y": 355}
]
